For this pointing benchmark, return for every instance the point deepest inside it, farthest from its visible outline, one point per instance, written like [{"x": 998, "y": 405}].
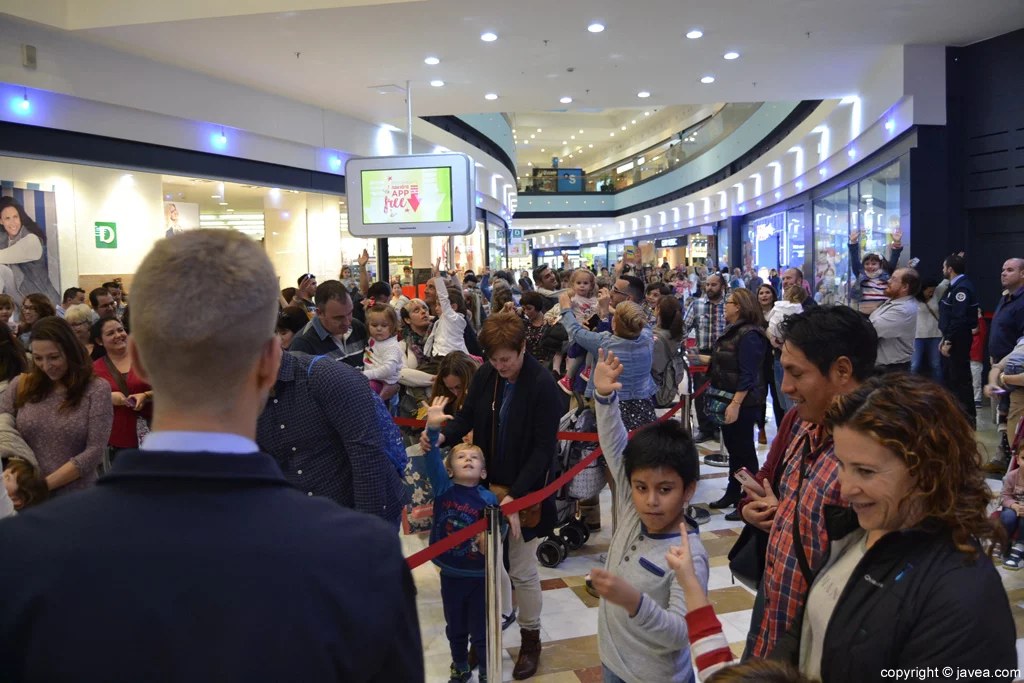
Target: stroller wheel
[
  {"x": 551, "y": 552},
  {"x": 573, "y": 534}
]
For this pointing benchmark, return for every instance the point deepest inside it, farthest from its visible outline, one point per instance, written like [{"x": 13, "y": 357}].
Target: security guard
[{"x": 958, "y": 316}]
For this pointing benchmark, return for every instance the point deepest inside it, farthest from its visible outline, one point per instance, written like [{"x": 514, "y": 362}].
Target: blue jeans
[
  {"x": 1010, "y": 521},
  {"x": 609, "y": 677},
  {"x": 784, "y": 400},
  {"x": 927, "y": 360}
]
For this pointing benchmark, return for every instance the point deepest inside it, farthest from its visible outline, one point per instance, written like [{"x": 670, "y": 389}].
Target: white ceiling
[{"x": 789, "y": 49}]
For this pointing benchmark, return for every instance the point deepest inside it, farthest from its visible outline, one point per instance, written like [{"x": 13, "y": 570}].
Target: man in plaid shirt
[
  {"x": 828, "y": 352},
  {"x": 706, "y": 317}
]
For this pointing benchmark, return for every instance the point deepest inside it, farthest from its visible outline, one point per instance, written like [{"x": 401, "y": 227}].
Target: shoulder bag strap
[
  {"x": 116, "y": 374},
  {"x": 798, "y": 546}
]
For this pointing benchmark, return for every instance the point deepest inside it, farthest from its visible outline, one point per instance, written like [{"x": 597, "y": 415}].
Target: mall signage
[{"x": 106, "y": 235}]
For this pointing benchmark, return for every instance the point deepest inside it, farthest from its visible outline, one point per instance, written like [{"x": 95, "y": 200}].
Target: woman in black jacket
[
  {"x": 513, "y": 408},
  {"x": 737, "y": 367},
  {"x": 906, "y": 584}
]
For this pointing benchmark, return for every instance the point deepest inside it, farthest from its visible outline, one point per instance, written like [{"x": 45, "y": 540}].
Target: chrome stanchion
[{"x": 492, "y": 513}]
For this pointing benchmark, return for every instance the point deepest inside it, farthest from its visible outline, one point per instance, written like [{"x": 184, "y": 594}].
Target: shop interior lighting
[
  {"x": 643, "y": 94},
  {"x": 437, "y": 84},
  {"x": 489, "y": 36},
  {"x": 431, "y": 61},
  {"x": 595, "y": 27},
  {"x": 566, "y": 100},
  {"x": 695, "y": 34},
  {"x": 707, "y": 79},
  {"x": 491, "y": 96},
  {"x": 731, "y": 55}
]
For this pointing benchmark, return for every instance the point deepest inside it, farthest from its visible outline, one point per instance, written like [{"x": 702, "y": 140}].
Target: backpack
[
  {"x": 393, "y": 444},
  {"x": 675, "y": 372}
]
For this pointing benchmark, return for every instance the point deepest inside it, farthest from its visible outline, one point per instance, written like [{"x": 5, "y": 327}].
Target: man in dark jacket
[
  {"x": 513, "y": 408},
  {"x": 194, "y": 559},
  {"x": 333, "y": 332},
  {"x": 958, "y": 315}
]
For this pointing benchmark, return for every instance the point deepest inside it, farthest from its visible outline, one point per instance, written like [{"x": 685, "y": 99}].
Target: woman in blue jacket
[{"x": 632, "y": 341}]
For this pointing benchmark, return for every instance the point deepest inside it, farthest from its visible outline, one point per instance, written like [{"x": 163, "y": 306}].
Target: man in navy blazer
[{"x": 194, "y": 559}]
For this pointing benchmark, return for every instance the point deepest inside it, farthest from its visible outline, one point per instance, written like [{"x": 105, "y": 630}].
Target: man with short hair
[
  {"x": 332, "y": 331},
  {"x": 245, "y": 577},
  {"x": 1006, "y": 328},
  {"x": 114, "y": 289},
  {"x": 828, "y": 351},
  {"x": 103, "y": 305},
  {"x": 795, "y": 276},
  {"x": 895, "y": 322},
  {"x": 72, "y": 297},
  {"x": 305, "y": 292},
  {"x": 958, "y": 316},
  {"x": 547, "y": 284},
  {"x": 706, "y": 317}
]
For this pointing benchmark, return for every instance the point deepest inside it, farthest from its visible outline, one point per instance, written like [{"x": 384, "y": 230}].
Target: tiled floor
[{"x": 569, "y": 616}]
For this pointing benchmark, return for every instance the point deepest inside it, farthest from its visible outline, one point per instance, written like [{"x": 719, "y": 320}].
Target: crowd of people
[{"x": 867, "y": 528}]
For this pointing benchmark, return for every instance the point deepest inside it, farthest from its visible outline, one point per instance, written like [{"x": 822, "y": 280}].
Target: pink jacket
[{"x": 1013, "y": 492}]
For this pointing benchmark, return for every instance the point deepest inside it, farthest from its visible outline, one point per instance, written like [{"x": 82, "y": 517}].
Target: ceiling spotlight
[
  {"x": 565, "y": 142},
  {"x": 595, "y": 27},
  {"x": 214, "y": 196},
  {"x": 431, "y": 61},
  {"x": 647, "y": 113},
  {"x": 532, "y": 136},
  {"x": 623, "y": 128},
  {"x": 591, "y": 145},
  {"x": 491, "y": 96},
  {"x": 437, "y": 84},
  {"x": 611, "y": 135},
  {"x": 529, "y": 163},
  {"x": 731, "y": 55},
  {"x": 643, "y": 94},
  {"x": 572, "y": 137},
  {"x": 581, "y": 131},
  {"x": 852, "y": 153},
  {"x": 695, "y": 34},
  {"x": 539, "y": 130},
  {"x": 707, "y": 79},
  {"x": 633, "y": 122},
  {"x": 565, "y": 100},
  {"x": 542, "y": 150},
  {"x": 513, "y": 131},
  {"x": 489, "y": 37}
]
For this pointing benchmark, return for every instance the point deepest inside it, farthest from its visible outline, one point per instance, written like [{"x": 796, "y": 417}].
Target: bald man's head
[
  {"x": 1012, "y": 276},
  {"x": 792, "y": 276}
]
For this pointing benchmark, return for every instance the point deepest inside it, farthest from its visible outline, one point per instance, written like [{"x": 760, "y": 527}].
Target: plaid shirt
[
  {"x": 707, "y": 319},
  {"x": 321, "y": 428},
  {"x": 785, "y": 588}
]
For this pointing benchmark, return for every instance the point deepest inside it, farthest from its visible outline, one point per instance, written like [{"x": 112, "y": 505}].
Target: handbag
[
  {"x": 141, "y": 426},
  {"x": 747, "y": 556},
  {"x": 715, "y": 403}
]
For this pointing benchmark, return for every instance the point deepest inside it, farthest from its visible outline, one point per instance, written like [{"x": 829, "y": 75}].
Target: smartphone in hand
[
  {"x": 131, "y": 402},
  {"x": 744, "y": 477}
]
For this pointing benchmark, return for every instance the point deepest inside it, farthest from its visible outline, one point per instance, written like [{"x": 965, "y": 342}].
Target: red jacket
[
  {"x": 978, "y": 342},
  {"x": 770, "y": 470},
  {"x": 123, "y": 434}
]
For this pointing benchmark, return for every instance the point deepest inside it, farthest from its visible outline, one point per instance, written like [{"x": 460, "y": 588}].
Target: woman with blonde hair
[{"x": 79, "y": 317}]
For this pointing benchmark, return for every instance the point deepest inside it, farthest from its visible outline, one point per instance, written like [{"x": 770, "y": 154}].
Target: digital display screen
[{"x": 407, "y": 195}]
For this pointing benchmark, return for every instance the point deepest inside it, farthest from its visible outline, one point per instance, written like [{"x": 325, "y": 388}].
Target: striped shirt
[
  {"x": 873, "y": 289},
  {"x": 785, "y": 588}
]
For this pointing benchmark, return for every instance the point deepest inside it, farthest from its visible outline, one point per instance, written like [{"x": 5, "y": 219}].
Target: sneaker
[
  {"x": 701, "y": 437},
  {"x": 585, "y": 375},
  {"x": 762, "y": 438},
  {"x": 1016, "y": 559},
  {"x": 460, "y": 674},
  {"x": 508, "y": 619},
  {"x": 699, "y": 515},
  {"x": 716, "y": 460},
  {"x": 734, "y": 516},
  {"x": 565, "y": 384}
]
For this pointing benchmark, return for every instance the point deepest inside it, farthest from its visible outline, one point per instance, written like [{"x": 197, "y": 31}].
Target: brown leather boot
[{"x": 529, "y": 655}]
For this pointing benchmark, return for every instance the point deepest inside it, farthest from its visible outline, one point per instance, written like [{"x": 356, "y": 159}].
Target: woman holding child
[{"x": 513, "y": 408}]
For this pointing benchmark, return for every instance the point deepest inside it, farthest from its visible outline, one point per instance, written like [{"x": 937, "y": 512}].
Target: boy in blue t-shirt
[{"x": 459, "y": 501}]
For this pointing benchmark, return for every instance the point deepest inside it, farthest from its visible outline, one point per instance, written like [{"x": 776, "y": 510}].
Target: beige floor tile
[
  {"x": 731, "y": 599},
  {"x": 573, "y": 581},
  {"x": 588, "y": 599},
  {"x": 566, "y": 655}
]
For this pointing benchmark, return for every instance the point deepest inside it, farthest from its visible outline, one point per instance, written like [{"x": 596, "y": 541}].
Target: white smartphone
[{"x": 744, "y": 477}]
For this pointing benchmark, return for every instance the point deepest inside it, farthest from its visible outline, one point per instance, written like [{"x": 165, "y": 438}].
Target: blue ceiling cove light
[
  {"x": 219, "y": 140},
  {"x": 21, "y": 105},
  {"x": 335, "y": 163},
  {"x": 759, "y": 202},
  {"x": 778, "y": 195}
]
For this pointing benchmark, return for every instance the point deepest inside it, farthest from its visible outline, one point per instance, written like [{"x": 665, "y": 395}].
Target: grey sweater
[{"x": 655, "y": 644}]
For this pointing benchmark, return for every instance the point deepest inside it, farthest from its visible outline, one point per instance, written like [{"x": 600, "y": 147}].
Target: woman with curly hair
[{"x": 906, "y": 582}]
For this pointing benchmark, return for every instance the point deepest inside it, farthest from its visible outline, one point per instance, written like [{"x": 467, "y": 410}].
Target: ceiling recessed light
[
  {"x": 565, "y": 142},
  {"x": 491, "y": 96},
  {"x": 611, "y": 135},
  {"x": 529, "y": 163},
  {"x": 437, "y": 84},
  {"x": 695, "y": 34},
  {"x": 542, "y": 150},
  {"x": 532, "y": 136},
  {"x": 539, "y": 130},
  {"x": 565, "y": 100},
  {"x": 708, "y": 79},
  {"x": 572, "y": 137},
  {"x": 223, "y": 203},
  {"x": 581, "y": 131},
  {"x": 643, "y": 94},
  {"x": 647, "y": 113},
  {"x": 214, "y": 196},
  {"x": 513, "y": 131},
  {"x": 431, "y": 61},
  {"x": 489, "y": 37},
  {"x": 591, "y": 145},
  {"x": 595, "y": 27},
  {"x": 731, "y": 55},
  {"x": 633, "y": 122},
  {"x": 623, "y": 128}
]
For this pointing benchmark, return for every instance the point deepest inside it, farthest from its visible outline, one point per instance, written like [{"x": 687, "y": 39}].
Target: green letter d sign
[{"x": 106, "y": 235}]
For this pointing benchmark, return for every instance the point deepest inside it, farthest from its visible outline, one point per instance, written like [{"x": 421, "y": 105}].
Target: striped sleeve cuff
[{"x": 708, "y": 645}]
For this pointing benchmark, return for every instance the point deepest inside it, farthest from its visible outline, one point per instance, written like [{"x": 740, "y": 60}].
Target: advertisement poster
[
  {"x": 29, "y": 257},
  {"x": 412, "y": 195},
  {"x": 180, "y": 217}
]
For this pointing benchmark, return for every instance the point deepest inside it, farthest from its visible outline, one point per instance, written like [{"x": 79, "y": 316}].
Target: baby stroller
[{"x": 571, "y": 531}]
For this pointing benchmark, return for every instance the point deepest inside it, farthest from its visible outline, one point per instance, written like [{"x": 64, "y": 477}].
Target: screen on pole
[{"x": 407, "y": 195}]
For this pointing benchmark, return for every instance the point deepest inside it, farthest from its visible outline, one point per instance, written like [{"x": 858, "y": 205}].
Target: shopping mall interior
[{"x": 721, "y": 135}]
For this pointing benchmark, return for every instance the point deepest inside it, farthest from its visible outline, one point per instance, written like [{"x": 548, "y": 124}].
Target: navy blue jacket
[
  {"x": 1007, "y": 325},
  {"x": 203, "y": 567},
  {"x": 958, "y": 311}
]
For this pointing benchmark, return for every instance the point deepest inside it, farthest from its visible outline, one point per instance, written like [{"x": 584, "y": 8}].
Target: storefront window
[
  {"x": 497, "y": 245},
  {"x": 831, "y": 253},
  {"x": 792, "y": 253},
  {"x": 878, "y": 210},
  {"x": 723, "y": 248},
  {"x": 595, "y": 255},
  {"x": 762, "y": 243},
  {"x": 469, "y": 249},
  {"x": 616, "y": 250}
]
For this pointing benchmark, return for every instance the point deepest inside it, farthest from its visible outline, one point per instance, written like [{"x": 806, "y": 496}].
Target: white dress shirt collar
[{"x": 198, "y": 442}]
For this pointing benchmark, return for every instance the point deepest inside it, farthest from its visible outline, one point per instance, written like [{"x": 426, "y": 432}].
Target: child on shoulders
[
  {"x": 642, "y": 630},
  {"x": 382, "y": 358},
  {"x": 872, "y": 275}
]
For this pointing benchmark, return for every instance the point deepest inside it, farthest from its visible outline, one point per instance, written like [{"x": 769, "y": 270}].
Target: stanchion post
[{"x": 492, "y": 513}]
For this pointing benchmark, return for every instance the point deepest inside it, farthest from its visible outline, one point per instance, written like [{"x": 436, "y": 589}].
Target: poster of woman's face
[
  {"x": 29, "y": 257},
  {"x": 180, "y": 217}
]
